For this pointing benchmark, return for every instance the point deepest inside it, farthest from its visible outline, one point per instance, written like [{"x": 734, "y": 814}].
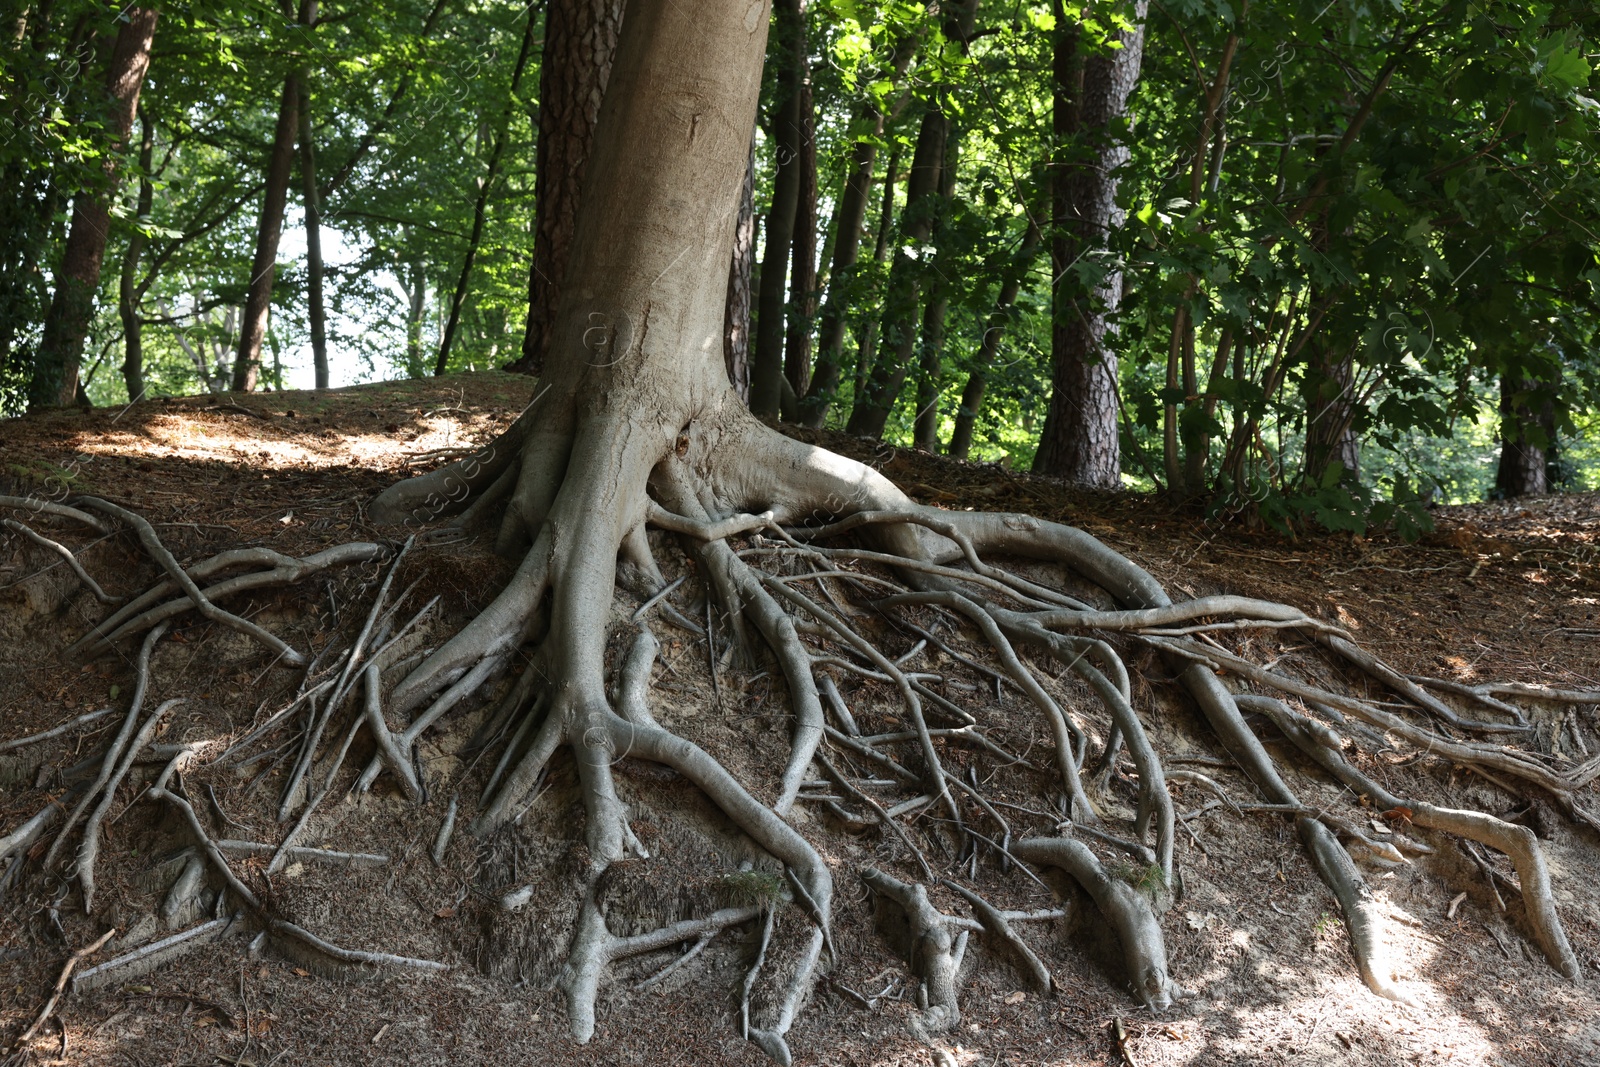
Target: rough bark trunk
[
  {"x": 1330, "y": 411},
  {"x": 580, "y": 41},
  {"x": 264, "y": 267},
  {"x": 736, "y": 318},
  {"x": 1527, "y": 430},
  {"x": 480, "y": 207},
  {"x": 55, "y": 373},
  {"x": 899, "y": 331},
  {"x": 993, "y": 332},
  {"x": 1080, "y": 437},
  {"x": 787, "y": 45},
  {"x": 128, "y": 287}
]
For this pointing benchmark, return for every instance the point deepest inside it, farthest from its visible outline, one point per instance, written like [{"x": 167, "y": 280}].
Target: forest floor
[{"x": 1497, "y": 592}]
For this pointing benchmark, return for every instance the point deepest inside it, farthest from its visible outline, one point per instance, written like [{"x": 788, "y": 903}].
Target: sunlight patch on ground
[{"x": 291, "y": 444}]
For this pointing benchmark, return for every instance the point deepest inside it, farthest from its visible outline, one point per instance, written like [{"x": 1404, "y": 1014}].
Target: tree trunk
[
  {"x": 849, "y": 224},
  {"x": 1330, "y": 402},
  {"x": 1527, "y": 432},
  {"x": 993, "y": 332},
  {"x": 1080, "y": 437},
  {"x": 899, "y": 331},
  {"x": 128, "y": 287},
  {"x": 66, "y": 325},
  {"x": 736, "y": 319},
  {"x": 803, "y": 268},
  {"x": 867, "y": 341},
  {"x": 316, "y": 310},
  {"x": 766, "y": 358},
  {"x": 480, "y": 207},
  {"x": 264, "y": 267},
  {"x": 580, "y": 41},
  {"x": 930, "y": 357}
]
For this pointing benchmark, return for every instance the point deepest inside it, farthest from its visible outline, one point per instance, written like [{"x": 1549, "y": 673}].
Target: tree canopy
[{"x": 1338, "y": 261}]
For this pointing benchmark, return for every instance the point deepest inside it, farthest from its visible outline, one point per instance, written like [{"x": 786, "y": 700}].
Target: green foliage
[
  {"x": 1391, "y": 211},
  {"x": 1146, "y": 879},
  {"x": 754, "y": 887}
]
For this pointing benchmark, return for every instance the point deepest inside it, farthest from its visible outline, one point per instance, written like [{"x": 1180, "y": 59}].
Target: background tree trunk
[
  {"x": 66, "y": 325},
  {"x": 1330, "y": 410},
  {"x": 736, "y": 322},
  {"x": 867, "y": 326},
  {"x": 1080, "y": 437},
  {"x": 1527, "y": 431},
  {"x": 480, "y": 207},
  {"x": 264, "y": 268},
  {"x": 128, "y": 287},
  {"x": 925, "y": 432},
  {"x": 803, "y": 268},
  {"x": 786, "y": 49},
  {"x": 899, "y": 332},
  {"x": 994, "y": 331},
  {"x": 316, "y": 310},
  {"x": 580, "y": 41}
]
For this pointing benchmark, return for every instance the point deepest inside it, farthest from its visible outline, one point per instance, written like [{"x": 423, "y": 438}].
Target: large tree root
[{"x": 820, "y": 568}]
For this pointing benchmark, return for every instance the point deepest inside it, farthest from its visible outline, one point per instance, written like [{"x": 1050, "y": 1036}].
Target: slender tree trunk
[
  {"x": 849, "y": 225},
  {"x": 1527, "y": 432},
  {"x": 316, "y": 310},
  {"x": 480, "y": 208},
  {"x": 867, "y": 341},
  {"x": 925, "y": 432},
  {"x": 264, "y": 267},
  {"x": 315, "y": 307},
  {"x": 66, "y": 325},
  {"x": 580, "y": 41},
  {"x": 786, "y": 48},
  {"x": 993, "y": 332},
  {"x": 803, "y": 268},
  {"x": 414, "y": 280},
  {"x": 128, "y": 288},
  {"x": 736, "y": 322},
  {"x": 1080, "y": 437},
  {"x": 871, "y": 411}
]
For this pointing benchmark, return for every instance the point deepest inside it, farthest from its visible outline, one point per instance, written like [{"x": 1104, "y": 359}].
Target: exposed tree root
[{"x": 821, "y": 570}]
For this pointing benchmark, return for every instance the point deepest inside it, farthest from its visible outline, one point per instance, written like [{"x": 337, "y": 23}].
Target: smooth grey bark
[
  {"x": 1080, "y": 437},
  {"x": 580, "y": 42},
  {"x": 66, "y": 324}
]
